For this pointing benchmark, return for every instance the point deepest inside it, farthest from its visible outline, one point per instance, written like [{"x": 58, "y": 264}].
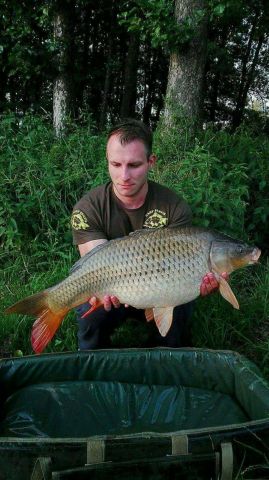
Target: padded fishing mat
[
  {"x": 121, "y": 392},
  {"x": 87, "y": 408}
]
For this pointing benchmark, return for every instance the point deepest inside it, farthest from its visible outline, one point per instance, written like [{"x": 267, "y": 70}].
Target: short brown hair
[{"x": 131, "y": 129}]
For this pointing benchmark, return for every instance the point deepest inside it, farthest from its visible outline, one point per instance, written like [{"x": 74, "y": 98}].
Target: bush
[
  {"x": 41, "y": 179},
  {"x": 245, "y": 148},
  {"x": 224, "y": 177}
]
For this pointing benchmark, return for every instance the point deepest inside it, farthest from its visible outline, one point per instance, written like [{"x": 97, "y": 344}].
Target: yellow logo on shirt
[
  {"x": 79, "y": 220},
  {"x": 155, "y": 218}
]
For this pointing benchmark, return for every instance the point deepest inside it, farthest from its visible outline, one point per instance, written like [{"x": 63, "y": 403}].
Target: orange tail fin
[
  {"x": 45, "y": 327},
  {"x": 47, "y": 321}
]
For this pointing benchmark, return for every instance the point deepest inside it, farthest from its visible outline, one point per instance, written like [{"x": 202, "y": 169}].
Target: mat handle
[{"x": 226, "y": 461}]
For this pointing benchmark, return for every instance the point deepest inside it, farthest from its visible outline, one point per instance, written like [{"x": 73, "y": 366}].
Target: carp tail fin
[
  {"x": 30, "y": 305},
  {"x": 45, "y": 327},
  {"x": 47, "y": 321}
]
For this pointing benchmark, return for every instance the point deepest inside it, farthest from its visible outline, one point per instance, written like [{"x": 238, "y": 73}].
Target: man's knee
[
  {"x": 183, "y": 312},
  {"x": 95, "y": 329},
  {"x": 179, "y": 334}
]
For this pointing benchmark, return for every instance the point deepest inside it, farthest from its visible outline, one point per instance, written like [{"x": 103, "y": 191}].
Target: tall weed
[
  {"x": 217, "y": 325},
  {"x": 41, "y": 179},
  {"x": 216, "y": 191},
  {"x": 18, "y": 281},
  {"x": 244, "y": 148}
]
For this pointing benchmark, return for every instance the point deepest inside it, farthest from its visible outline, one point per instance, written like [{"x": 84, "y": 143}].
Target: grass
[
  {"x": 217, "y": 325},
  {"x": 23, "y": 279}
]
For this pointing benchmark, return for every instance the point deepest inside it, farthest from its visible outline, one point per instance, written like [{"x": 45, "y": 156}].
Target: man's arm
[
  {"x": 108, "y": 300},
  {"x": 88, "y": 246}
]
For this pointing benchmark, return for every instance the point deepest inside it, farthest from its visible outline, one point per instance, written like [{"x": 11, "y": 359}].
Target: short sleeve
[
  {"x": 181, "y": 214},
  {"x": 86, "y": 221}
]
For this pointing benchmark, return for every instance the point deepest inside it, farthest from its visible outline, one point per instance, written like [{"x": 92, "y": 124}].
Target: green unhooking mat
[{"x": 74, "y": 409}]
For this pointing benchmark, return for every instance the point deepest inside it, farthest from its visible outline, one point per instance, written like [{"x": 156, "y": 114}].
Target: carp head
[{"x": 229, "y": 255}]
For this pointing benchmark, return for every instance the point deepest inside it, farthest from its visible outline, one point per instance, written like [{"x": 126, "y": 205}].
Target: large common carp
[{"x": 150, "y": 269}]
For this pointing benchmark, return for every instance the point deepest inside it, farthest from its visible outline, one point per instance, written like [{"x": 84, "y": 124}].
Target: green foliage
[
  {"x": 251, "y": 151},
  {"x": 41, "y": 180},
  {"x": 237, "y": 62},
  {"x": 217, "y": 191},
  {"x": 217, "y": 325},
  {"x": 131, "y": 334},
  {"x": 232, "y": 10},
  {"x": 94, "y": 49},
  {"x": 26, "y": 52},
  {"x": 20, "y": 280},
  {"x": 222, "y": 176},
  {"x": 154, "y": 20}
]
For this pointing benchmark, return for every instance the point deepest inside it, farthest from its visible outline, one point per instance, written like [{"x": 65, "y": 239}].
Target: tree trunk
[
  {"x": 130, "y": 78},
  {"x": 104, "y": 103},
  {"x": 63, "y": 19},
  {"x": 186, "y": 71},
  {"x": 247, "y": 75},
  {"x": 3, "y": 89},
  {"x": 224, "y": 35},
  {"x": 239, "y": 112},
  {"x": 148, "y": 83}
]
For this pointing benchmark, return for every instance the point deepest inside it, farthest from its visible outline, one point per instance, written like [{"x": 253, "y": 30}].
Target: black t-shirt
[{"x": 99, "y": 214}]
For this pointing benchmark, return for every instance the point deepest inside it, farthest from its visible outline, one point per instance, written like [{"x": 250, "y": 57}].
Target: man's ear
[{"x": 152, "y": 160}]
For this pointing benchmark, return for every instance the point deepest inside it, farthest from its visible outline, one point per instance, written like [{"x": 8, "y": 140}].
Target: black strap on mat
[
  {"x": 96, "y": 456},
  {"x": 223, "y": 459}
]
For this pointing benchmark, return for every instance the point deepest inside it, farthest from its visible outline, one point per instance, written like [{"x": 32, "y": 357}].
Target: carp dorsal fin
[
  {"x": 141, "y": 231},
  {"x": 163, "y": 317},
  {"x": 85, "y": 257},
  {"x": 227, "y": 293}
]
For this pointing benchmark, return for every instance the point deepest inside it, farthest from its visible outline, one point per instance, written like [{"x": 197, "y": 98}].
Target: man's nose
[{"x": 125, "y": 174}]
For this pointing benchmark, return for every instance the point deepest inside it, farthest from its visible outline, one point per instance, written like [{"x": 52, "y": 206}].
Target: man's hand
[
  {"x": 210, "y": 283},
  {"x": 108, "y": 300}
]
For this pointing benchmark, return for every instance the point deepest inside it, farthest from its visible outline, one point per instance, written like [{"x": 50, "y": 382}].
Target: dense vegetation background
[
  {"x": 112, "y": 58},
  {"x": 71, "y": 68},
  {"x": 43, "y": 177}
]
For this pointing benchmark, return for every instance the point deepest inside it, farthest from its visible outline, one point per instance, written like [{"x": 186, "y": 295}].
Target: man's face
[{"x": 128, "y": 166}]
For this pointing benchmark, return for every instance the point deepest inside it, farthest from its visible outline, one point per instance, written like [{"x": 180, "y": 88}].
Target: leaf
[
  {"x": 262, "y": 184},
  {"x": 219, "y": 9}
]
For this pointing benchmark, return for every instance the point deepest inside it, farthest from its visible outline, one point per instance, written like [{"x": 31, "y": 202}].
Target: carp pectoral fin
[
  {"x": 93, "y": 307},
  {"x": 163, "y": 318},
  {"x": 227, "y": 293},
  {"x": 149, "y": 314}
]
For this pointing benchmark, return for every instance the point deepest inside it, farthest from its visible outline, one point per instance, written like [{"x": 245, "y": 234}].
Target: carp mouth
[{"x": 255, "y": 255}]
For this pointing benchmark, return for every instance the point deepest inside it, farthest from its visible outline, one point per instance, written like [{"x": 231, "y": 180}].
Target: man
[{"x": 129, "y": 202}]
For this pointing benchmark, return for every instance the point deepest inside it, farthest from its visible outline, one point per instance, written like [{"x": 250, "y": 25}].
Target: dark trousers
[{"x": 95, "y": 330}]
